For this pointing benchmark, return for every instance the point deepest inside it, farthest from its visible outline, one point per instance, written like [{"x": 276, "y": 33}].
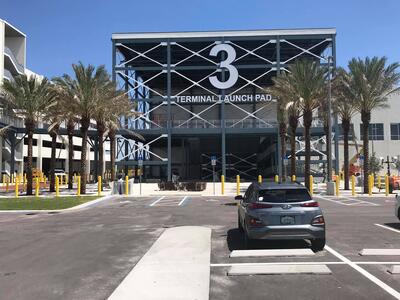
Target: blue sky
[{"x": 62, "y": 32}]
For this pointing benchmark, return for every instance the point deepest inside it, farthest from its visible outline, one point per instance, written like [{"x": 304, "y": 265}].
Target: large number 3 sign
[{"x": 233, "y": 72}]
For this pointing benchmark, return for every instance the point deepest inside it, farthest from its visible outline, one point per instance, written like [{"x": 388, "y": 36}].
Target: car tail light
[
  {"x": 253, "y": 222},
  {"x": 319, "y": 220},
  {"x": 310, "y": 204},
  {"x": 257, "y": 205}
]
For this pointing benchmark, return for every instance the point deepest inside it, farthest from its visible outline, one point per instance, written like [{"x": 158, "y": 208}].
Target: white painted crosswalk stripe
[
  {"x": 158, "y": 200},
  {"x": 348, "y": 201},
  {"x": 174, "y": 201}
]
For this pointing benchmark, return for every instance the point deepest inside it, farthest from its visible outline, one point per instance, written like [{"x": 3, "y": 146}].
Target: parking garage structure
[{"x": 203, "y": 96}]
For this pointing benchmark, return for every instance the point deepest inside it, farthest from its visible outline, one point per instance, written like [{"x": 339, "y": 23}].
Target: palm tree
[
  {"x": 344, "y": 105},
  {"x": 304, "y": 87},
  {"x": 281, "y": 90},
  {"x": 55, "y": 117},
  {"x": 70, "y": 117},
  {"x": 372, "y": 83},
  {"x": 282, "y": 121},
  {"x": 86, "y": 88},
  {"x": 111, "y": 104},
  {"x": 121, "y": 107},
  {"x": 293, "y": 116},
  {"x": 30, "y": 98}
]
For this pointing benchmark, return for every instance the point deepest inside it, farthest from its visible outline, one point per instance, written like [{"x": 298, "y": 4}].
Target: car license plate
[{"x": 287, "y": 220}]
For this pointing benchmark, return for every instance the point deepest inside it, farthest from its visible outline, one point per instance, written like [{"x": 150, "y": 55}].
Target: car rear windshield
[{"x": 284, "y": 195}]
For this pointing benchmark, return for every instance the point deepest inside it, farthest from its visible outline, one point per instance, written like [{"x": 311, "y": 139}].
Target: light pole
[
  {"x": 329, "y": 133},
  {"x": 388, "y": 162}
]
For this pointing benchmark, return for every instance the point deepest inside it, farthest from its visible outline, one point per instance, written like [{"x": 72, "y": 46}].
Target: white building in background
[
  {"x": 13, "y": 63},
  {"x": 384, "y": 134}
]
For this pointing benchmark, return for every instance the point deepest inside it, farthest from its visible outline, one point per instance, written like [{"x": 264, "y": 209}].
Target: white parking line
[
  {"x": 388, "y": 228},
  {"x": 311, "y": 263},
  {"x": 183, "y": 200},
  {"x": 158, "y": 200},
  {"x": 365, "y": 273}
]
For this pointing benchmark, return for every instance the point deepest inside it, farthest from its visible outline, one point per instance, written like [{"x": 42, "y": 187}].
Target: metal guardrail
[
  {"x": 20, "y": 68},
  {"x": 10, "y": 120},
  {"x": 229, "y": 123}
]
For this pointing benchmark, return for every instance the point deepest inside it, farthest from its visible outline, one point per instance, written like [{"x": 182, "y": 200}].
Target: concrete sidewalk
[{"x": 177, "y": 266}]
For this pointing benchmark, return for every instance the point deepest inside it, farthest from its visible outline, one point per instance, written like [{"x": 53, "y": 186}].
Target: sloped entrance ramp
[{"x": 177, "y": 266}]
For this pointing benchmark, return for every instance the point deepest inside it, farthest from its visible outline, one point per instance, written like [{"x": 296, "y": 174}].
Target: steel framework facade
[{"x": 208, "y": 84}]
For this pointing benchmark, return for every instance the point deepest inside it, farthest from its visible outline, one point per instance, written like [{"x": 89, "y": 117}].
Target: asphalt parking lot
[{"x": 87, "y": 253}]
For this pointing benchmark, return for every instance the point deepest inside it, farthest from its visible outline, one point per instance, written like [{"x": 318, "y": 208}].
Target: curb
[{"x": 77, "y": 207}]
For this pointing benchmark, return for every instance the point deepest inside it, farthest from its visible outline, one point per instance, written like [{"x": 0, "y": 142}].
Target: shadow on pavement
[
  {"x": 235, "y": 240},
  {"x": 393, "y": 225}
]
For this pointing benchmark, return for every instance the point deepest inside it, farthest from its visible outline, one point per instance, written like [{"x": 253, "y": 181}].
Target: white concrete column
[
  {"x": 39, "y": 159},
  {"x": 67, "y": 158},
  {"x": 2, "y": 41},
  {"x": 19, "y": 153},
  {"x": 88, "y": 160}
]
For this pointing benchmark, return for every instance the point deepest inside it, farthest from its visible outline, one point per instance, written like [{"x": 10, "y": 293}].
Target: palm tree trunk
[
  {"x": 53, "y": 161},
  {"x": 100, "y": 136},
  {"x": 293, "y": 122},
  {"x": 84, "y": 131},
  {"x": 70, "y": 132},
  {"x": 307, "y": 120},
  {"x": 346, "y": 129},
  {"x": 111, "y": 135},
  {"x": 366, "y": 118},
  {"x": 328, "y": 150},
  {"x": 282, "y": 135},
  {"x": 30, "y": 126}
]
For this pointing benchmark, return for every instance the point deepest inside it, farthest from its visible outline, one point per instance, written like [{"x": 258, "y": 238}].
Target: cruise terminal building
[{"x": 203, "y": 95}]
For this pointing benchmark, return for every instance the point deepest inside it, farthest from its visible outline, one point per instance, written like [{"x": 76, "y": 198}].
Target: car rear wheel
[
  {"x": 248, "y": 242},
  {"x": 318, "y": 244}
]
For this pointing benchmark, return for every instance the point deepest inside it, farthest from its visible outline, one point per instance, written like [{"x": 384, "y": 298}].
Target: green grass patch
[{"x": 43, "y": 203}]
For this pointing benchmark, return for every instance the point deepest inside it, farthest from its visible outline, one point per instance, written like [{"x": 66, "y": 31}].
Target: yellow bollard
[
  {"x": 99, "y": 185},
  {"x": 126, "y": 185},
  {"x": 237, "y": 185},
  {"x": 386, "y": 185},
  {"x": 379, "y": 182},
  {"x": 57, "y": 186},
  {"x": 293, "y": 178},
  {"x": 78, "y": 190},
  {"x": 222, "y": 184},
  {"x": 353, "y": 185},
  {"x": 16, "y": 189},
  {"x": 276, "y": 179},
  {"x": 259, "y": 178},
  {"x": 7, "y": 185},
  {"x": 311, "y": 185},
  {"x": 337, "y": 185},
  {"x": 369, "y": 185},
  {"x": 37, "y": 187}
]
